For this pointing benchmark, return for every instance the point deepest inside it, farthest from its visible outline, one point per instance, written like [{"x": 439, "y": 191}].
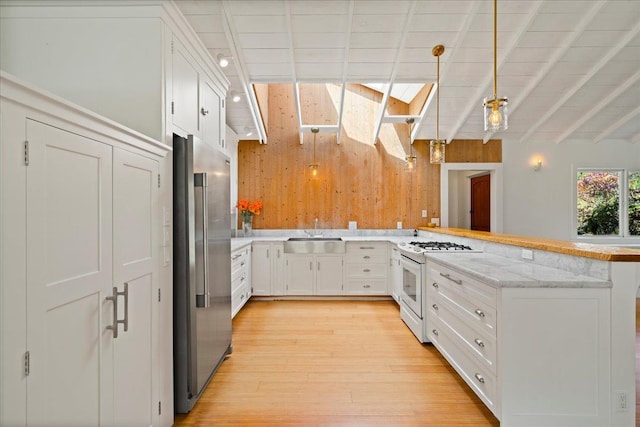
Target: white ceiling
[{"x": 571, "y": 69}]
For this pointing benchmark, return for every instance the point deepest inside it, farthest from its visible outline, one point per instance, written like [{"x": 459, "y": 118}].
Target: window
[{"x": 608, "y": 202}]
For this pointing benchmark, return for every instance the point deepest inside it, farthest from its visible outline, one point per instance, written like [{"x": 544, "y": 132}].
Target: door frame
[{"x": 494, "y": 169}]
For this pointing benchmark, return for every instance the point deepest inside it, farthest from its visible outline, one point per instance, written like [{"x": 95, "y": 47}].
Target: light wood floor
[{"x": 338, "y": 363}]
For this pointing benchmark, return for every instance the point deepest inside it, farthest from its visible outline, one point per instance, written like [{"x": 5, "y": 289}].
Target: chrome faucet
[{"x": 315, "y": 226}]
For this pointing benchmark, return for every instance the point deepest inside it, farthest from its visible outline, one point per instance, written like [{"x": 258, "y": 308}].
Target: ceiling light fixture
[
  {"x": 223, "y": 60},
  {"x": 437, "y": 146},
  {"x": 411, "y": 161},
  {"x": 314, "y": 166},
  {"x": 248, "y": 131},
  {"x": 495, "y": 109},
  {"x": 235, "y": 96}
]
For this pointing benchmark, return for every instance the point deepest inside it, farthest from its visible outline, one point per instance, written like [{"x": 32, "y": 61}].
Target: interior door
[
  {"x": 481, "y": 203},
  {"x": 69, "y": 275},
  {"x": 135, "y": 215}
]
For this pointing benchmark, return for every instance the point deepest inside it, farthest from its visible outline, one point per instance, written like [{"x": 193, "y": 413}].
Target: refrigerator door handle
[{"x": 202, "y": 289}]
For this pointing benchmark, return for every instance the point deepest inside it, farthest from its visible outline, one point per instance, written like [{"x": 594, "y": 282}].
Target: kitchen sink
[{"x": 314, "y": 245}]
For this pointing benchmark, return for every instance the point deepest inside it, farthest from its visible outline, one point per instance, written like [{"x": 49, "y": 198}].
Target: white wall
[
  {"x": 460, "y": 198},
  {"x": 540, "y": 203}
]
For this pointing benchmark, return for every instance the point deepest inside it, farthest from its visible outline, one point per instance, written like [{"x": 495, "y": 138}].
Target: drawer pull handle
[
  {"x": 435, "y": 285},
  {"x": 242, "y": 279},
  {"x": 235, "y": 257},
  {"x": 435, "y": 307},
  {"x": 435, "y": 332},
  {"x": 367, "y": 286},
  {"x": 448, "y": 276},
  {"x": 242, "y": 264},
  {"x": 479, "y": 312},
  {"x": 241, "y": 296},
  {"x": 367, "y": 247},
  {"x": 366, "y": 257},
  {"x": 480, "y": 378},
  {"x": 479, "y": 342},
  {"x": 366, "y": 270}
]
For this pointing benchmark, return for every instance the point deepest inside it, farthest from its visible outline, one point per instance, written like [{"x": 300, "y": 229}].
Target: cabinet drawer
[
  {"x": 478, "y": 377},
  {"x": 480, "y": 345},
  {"x": 238, "y": 299},
  {"x": 476, "y": 313},
  {"x": 461, "y": 284},
  {"x": 366, "y": 270},
  {"x": 366, "y": 286},
  {"x": 239, "y": 281},
  {"x": 239, "y": 258},
  {"x": 356, "y": 251}
]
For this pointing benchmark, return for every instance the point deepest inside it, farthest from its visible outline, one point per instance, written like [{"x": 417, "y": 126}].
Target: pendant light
[
  {"x": 495, "y": 109},
  {"x": 437, "y": 146},
  {"x": 314, "y": 166},
  {"x": 411, "y": 161}
]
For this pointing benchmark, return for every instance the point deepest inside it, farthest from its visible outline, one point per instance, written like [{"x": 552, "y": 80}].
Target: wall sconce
[
  {"x": 223, "y": 60},
  {"x": 538, "y": 165},
  {"x": 235, "y": 96}
]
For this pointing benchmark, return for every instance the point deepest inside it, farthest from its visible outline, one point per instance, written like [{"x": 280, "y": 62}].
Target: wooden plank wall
[
  {"x": 262, "y": 96},
  {"x": 358, "y": 181}
]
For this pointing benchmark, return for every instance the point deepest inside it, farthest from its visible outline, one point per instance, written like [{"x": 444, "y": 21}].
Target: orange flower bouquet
[{"x": 248, "y": 210}]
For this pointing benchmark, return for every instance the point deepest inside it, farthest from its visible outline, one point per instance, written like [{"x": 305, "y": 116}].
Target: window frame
[{"x": 624, "y": 223}]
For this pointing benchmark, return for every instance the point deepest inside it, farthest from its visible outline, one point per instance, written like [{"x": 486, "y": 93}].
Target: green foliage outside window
[{"x": 599, "y": 203}]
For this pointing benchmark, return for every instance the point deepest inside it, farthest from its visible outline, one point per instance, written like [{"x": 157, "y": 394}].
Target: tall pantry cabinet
[{"x": 140, "y": 64}]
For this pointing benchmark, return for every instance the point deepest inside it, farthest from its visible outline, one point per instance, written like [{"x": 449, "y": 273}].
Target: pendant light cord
[
  {"x": 438, "y": 105},
  {"x": 495, "y": 49}
]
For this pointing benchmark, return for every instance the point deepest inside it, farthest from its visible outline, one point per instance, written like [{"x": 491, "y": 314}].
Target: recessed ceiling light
[
  {"x": 235, "y": 96},
  {"x": 223, "y": 60},
  {"x": 248, "y": 131}
]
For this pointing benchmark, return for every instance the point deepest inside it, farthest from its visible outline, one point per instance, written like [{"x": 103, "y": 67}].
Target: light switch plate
[
  {"x": 353, "y": 225},
  {"x": 527, "y": 254},
  {"x": 424, "y": 213}
]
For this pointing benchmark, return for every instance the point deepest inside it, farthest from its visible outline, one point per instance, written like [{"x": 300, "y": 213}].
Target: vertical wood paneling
[
  {"x": 358, "y": 180},
  {"x": 416, "y": 104}
]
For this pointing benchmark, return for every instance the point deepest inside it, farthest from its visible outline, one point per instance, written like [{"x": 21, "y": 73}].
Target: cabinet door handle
[
  {"x": 480, "y": 378},
  {"x": 479, "y": 312},
  {"x": 278, "y": 252},
  {"x": 114, "y": 299},
  {"x": 318, "y": 265},
  {"x": 435, "y": 332},
  {"x": 435, "y": 285},
  {"x": 435, "y": 307},
  {"x": 203, "y": 111},
  {"x": 310, "y": 265},
  {"x": 448, "y": 276},
  {"x": 479, "y": 342},
  {"x": 267, "y": 253}
]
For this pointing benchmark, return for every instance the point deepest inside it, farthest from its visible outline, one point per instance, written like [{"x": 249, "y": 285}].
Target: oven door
[{"x": 412, "y": 285}]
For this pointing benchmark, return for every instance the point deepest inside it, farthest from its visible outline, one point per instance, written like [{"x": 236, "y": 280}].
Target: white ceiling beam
[
  {"x": 232, "y": 36},
  {"x": 321, "y": 128},
  {"x": 399, "y": 118},
  {"x": 345, "y": 67},
  {"x": 558, "y": 54},
  {"x": 292, "y": 58},
  {"x": 621, "y": 122},
  {"x": 611, "y": 96},
  {"x": 394, "y": 70},
  {"x": 583, "y": 81},
  {"x": 452, "y": 51},
  {"x": 423, "y": 112}
]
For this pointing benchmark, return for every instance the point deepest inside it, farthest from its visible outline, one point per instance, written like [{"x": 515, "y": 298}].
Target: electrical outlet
[
  {"x": 424, "y": 213},
  {"x": 353, "y": 225},
  {"x": 622, "y": 401},
  {"x": 527, "y": 254},
  {"x": 399, "y": 225},
  {"x": 436, "y": 221}
]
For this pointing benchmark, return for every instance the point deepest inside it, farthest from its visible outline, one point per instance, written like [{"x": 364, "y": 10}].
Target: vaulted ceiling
[{"x": 571, "y": 69}]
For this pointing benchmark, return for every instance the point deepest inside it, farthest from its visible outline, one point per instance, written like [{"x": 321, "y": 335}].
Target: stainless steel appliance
[
  {"x": 201, "y": 270},
  {"x": 413, "y": 292}
]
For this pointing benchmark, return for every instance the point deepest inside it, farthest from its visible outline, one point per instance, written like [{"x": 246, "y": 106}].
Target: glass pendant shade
[
  {"x": 495, "y": 114},
  {"x": 411, "y": 163},
  {"x": 436, "y": 151},
  {"x": 314, "y": 169}
]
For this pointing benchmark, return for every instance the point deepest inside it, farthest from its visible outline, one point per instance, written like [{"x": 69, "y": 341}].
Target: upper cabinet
[{"x": 184, "y": 93}]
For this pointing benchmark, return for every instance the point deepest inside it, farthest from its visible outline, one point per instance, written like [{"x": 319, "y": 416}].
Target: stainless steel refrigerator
[{"x": 202, "y": 267}]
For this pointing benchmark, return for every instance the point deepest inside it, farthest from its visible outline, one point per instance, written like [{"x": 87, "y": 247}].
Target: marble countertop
[
  {"x": 240, "y": 242},
  {"x": 499, "y": 272}
]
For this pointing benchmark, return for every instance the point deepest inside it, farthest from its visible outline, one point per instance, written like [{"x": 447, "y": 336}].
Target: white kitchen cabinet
[
  {"x": 86, "y": 193},
  {"x": 121, "y": 61},
  {"x": 396, "y": 272},
  {"x": 308, "y": 274},
  {"x": 212, "y": 125},
  {"x": 267, "y": 268},
  {"x": 366, "y": 268},
  {"x": 240, "y": 278},
  {"x": 533, "y": 355}
]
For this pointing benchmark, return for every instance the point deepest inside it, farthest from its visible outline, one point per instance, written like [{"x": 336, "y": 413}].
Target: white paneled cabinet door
[
  {"x": 211, "y": 126},
  {"x": 135, "y": 212},
  {"x": 300, "y": 274},
  {"x": 329, "y": 275},
  {"x": 261, "y": 269},
  {"x": 69, "y": 277},
  {"x": 184, "y": 104}
]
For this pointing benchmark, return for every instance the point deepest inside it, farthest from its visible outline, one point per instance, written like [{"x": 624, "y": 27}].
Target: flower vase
[{"x": 247, "y": 225}]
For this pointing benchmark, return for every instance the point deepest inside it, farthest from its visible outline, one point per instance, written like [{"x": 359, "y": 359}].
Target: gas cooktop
[{"x": 433, "y": 246}]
